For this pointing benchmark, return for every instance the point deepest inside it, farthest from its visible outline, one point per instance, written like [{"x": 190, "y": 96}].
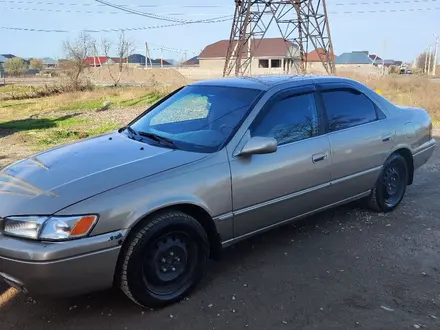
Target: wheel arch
[
  {"x": 194, "y": 210},
  {"x": 407, "y": 154}
]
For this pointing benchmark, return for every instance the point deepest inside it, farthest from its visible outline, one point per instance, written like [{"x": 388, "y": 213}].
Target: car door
[
  {"x": 360, "y": 139},
  {"x": 270, "y": 188}
]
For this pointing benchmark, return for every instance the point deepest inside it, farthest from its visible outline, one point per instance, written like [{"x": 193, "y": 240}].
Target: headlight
[{"x": 49, "y": 228}]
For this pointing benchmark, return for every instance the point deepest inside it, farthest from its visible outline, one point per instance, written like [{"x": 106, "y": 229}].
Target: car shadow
[{"x": 13, "y": 126}]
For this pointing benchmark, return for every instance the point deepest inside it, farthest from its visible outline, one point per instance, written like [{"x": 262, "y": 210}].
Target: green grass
[
  {"x": 19, "y": 89},
  {"x": 143, "y": 100},
  {"x": 54, "y": 137},
  {"x": 79, "y": 101},
  {"x": 92, "y": 104},
  {"x": 116, "y": 101}
]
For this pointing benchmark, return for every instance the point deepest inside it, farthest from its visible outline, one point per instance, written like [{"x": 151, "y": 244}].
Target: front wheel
[
  {"x": 391, "y": 185},
  {"x": 164, "y": 260}
]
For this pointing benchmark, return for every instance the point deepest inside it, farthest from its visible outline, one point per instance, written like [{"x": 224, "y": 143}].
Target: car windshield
[{"x": 196, "y": 118}]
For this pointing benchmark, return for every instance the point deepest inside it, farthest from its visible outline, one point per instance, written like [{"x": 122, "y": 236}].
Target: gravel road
[{"x": 343, "y": 269}]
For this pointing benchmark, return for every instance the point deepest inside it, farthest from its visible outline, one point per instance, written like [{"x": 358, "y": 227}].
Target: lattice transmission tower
[{"x": 301, "y": 23}]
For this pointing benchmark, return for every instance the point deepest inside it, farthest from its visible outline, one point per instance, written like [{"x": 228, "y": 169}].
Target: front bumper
[{"x": 60, "y": 269}]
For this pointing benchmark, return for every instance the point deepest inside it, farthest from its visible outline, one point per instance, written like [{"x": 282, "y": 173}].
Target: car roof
[{"x": 268, "y": 81}]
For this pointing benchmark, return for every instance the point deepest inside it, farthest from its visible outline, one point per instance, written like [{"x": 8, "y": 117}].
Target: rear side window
[{"x": 346, "y": 108}]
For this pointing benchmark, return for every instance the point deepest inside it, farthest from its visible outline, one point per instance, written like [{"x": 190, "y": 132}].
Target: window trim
[
  {"x": 288, "y": 93},
  {"x": 331, "y": 87}
]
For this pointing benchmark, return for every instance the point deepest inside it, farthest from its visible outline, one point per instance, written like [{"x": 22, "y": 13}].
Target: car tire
[
  {"x": 164, "y": 260},
  {"x": 390, "y": 187}
]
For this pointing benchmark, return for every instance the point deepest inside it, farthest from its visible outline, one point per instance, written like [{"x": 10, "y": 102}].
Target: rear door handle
[{"x": 318, "y": 157}]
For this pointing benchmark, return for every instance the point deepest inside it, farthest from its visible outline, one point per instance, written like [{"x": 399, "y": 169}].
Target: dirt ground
[
  {"x": 135, "y": 75},
  {"x": 342, "y": 269},
  {"x": 132, "y": 76}
]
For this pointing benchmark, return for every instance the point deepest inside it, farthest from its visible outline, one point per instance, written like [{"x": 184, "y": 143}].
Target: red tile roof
[
  {"x": 267, "y": 47},
  {"x": 313, "y": 56},
  {"x": 98, "y": 59}
]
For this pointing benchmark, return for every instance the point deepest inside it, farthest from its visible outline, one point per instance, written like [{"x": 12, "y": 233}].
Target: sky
[{"x": 398, "y": 30}]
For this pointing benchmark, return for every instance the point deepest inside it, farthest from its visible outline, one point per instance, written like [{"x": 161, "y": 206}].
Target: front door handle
[
  {"x": 386, "y": 137},
  {"x": 318, "y": 157}
]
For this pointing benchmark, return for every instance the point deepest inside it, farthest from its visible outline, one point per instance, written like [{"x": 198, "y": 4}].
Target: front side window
[
  {"x": 348, "y": 108},
  {"x": 197, "y": 118},
  {"x": 288, "y": 120}
]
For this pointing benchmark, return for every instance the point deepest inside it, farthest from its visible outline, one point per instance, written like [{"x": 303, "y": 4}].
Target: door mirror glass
[{"x": 259, "y": 145}]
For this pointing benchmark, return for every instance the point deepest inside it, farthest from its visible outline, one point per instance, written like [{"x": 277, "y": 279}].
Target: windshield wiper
[
  {"x": 128, "y": 128},
  {"x": 159, "y": 139}
]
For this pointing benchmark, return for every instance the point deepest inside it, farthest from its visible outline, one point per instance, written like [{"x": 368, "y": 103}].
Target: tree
[
  {"x": 124, "y": 48},
  {"x": 36, "y": 64},
  {"x": 76, "y": 53},
  {"x": 15, "y": 66},
  {"x": 423, "y": 60}
]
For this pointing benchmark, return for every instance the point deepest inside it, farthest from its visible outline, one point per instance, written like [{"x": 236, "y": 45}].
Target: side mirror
[{"x": 259, "y": 145}]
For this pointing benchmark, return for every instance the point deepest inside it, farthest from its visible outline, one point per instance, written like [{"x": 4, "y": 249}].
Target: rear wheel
[
  {"x": 164, "y": 260},
  {"x": 391, "y": 185}
]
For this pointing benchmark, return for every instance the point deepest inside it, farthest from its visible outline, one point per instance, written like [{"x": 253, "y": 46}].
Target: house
[
  {"x": 354, "y": 58},
  {"x": 269, "y": 54},
  {"x": 314, "y": 60},
  {"x": 136, "y": 59},
  {"x": 313, "y": 56},
  {"x": 194, "y": 61},
  {"x": 114, "y": 60},
  {"x": 8, "y": 56},
  {"x": 140, "y": 60},
  {"x": 172, "y": 62},
  {"x": 159, "y": 62},
  {"x": 96, "y": 61},
  {"x": 49, "y": 63},
  {"x": 376, "y": 60}
]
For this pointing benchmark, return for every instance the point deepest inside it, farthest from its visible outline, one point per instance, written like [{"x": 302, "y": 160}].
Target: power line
[
  {"x": 59, "y": 10},
  {"x": 214, "y": 20},
  {"x": 106, "y": 30},
  {"x": 201, "y": 5},
  {"x": 154, "y": 16},
  {"x": 125, "y": 5},
  {"x": 93, "y": 12},
  {"x": 131, "y": 11},
  {"x": 382, "y": 2},
  {"x": 385, "y": 11}
]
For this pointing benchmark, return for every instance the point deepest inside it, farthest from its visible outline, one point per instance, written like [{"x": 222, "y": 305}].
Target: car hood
[{"x": 49, "y": 181}]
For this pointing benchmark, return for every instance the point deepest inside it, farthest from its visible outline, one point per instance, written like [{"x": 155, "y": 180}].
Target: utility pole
[
  {"x": 147, "y": 56},
  {"x": 425, "y": 68},
  {"x": 383, "y": 59},
  {"x": 435, "y": 55},
  {"x": 161, "y": 57},
  {"x": 429, "y": 60},
  {"x": 94, "y": 55}
]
